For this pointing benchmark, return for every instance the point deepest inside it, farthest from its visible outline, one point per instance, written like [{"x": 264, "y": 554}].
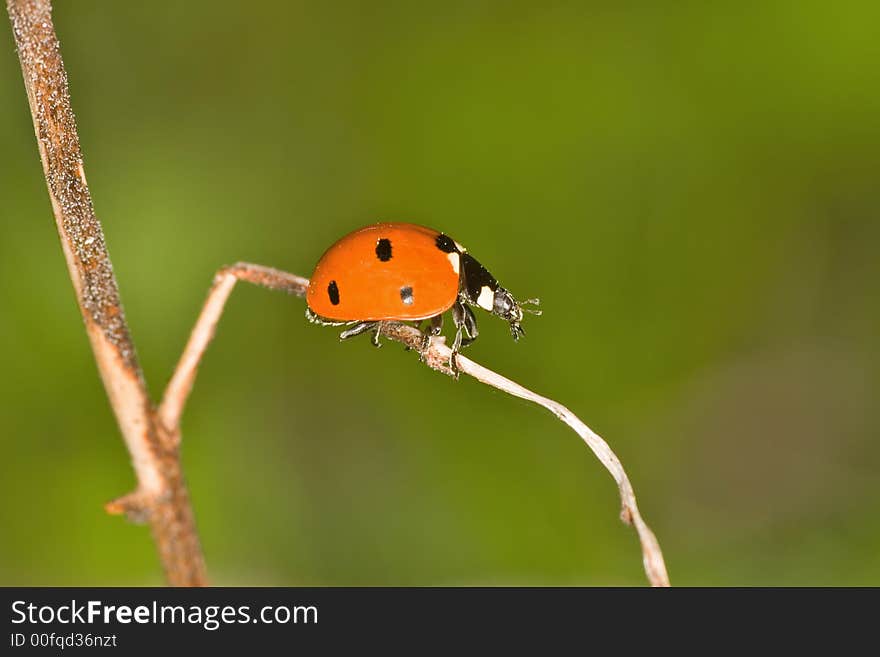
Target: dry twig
[
  {"x": 436, "y": 356},
  {"x": 161, "y": 497}
]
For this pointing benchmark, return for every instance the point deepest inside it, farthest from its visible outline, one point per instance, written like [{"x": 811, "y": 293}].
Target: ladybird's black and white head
[{"x": 480, "y": 288}]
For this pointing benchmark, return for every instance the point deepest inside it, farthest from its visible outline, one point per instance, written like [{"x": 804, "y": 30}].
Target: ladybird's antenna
[{"x": 532, "y": 302}]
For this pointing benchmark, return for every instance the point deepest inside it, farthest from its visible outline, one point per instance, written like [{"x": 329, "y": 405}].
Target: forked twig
[
  {"x": 178, "y": 388},
  {"x": 161, "y": 497},
  {"x": 436, "y": 356}
]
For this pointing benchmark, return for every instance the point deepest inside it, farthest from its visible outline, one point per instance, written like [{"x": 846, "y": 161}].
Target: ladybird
[{"x": 406, "y": 272}]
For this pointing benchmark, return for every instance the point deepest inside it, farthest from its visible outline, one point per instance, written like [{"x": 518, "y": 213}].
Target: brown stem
[
  {"x": 436, "y": 356},
  {"x": 161, "y": 496},
  {"x": 178, "y": 389}
]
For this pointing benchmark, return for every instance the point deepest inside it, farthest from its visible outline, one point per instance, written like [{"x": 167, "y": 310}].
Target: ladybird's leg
[
  {"x": 466, "y": 325},
  {"x": 317, "y": 319},
  {"x": 458, "y": 318},
  {"x": 470, "y": 326},
  {"x": 357, "y": 329},
  {"x": 436, "y": 324},
  {"x": 376, "y": 333},
  {"x": 433, "y": 329}
]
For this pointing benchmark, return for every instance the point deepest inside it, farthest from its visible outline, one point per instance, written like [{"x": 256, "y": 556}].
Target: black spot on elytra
[
  {"x": 333, "y": 293},
  {"x": 445, "y": 243},
  {"x": 383, "y": 249},
  {"x": 406, "y": 295}
]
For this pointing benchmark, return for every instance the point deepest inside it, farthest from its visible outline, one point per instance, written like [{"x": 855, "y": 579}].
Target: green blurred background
[{"x": 692, "y": 189}]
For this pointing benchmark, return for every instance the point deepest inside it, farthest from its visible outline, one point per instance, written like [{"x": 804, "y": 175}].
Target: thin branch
[
  {"x": 161, "y": 497},
  {"x": 436, "y": 356},
  {"x": 178, "y": 389},
  {"x": 655, "y": 568}
]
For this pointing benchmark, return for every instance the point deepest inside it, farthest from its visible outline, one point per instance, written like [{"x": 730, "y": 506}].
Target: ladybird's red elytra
[
  {"x": 406, "y": 272},
  {"x": 371, "y": 266}
]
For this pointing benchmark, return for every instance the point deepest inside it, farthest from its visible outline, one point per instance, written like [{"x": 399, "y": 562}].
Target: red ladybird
[{"x": 405, "y": 272}]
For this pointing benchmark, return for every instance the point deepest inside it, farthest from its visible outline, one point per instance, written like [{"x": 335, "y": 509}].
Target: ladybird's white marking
[
  {"x": 486, "y": 300},
  {"x": 459, "y": 247},
  {"x": 406, "y": 295},
  {"x": 454, "y": 259}
]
